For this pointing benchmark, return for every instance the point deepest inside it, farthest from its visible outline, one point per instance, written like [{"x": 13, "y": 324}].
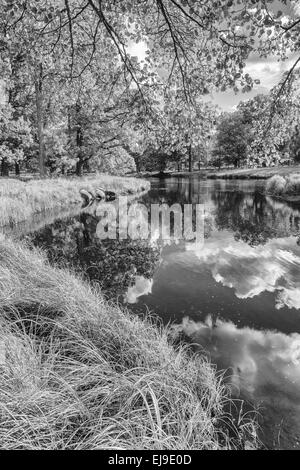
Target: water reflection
[
  {"x": 264, "y": 366},
  {"x": 115, "y": 265},
  {"x": 140, "y": 286},
  {"x": 250, "y": 271}
]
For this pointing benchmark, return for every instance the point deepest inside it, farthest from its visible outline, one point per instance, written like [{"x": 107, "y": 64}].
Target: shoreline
[
  {"x": 242, "y": 174},
  {"x": 21, "y": 201},
  {"x": 254, "y": 173}
]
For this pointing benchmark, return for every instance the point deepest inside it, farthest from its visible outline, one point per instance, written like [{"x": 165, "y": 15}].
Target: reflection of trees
[
  {"x": 175, "y": 190},
  {"x": 254, "y": 218},
  {"x": 112, "y": 263}
]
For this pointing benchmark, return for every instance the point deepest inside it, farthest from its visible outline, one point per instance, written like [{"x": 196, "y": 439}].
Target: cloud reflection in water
[
  {"x": 274, "y": 267},
  {"x": 264, "y": 368}
]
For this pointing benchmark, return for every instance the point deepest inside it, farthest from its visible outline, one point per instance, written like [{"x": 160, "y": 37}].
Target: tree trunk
[
  {"x": 17, "y": 168},
  {"x": 79, "y": 142},
  {"x": 79, "y": 167},
  {"x": 137, "y": 164},
  {"x": 190, "y": 159},
  {"x": 40, "y": 120},
  {"x": 4, "y": 167}
]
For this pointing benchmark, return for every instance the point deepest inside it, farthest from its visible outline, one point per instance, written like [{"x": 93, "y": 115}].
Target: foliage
[
  {"x": 295, "y": 144},
  {"x": 232, "y": 136},
  {"x": 293, "y": 185},
  {"x": 288, "y": 186},
  {"x": 264, "y": 128},
  {"x": 15, "y": 136},
  {"x": 69, "y": 71},
  {"x": 276, "y": 184}
]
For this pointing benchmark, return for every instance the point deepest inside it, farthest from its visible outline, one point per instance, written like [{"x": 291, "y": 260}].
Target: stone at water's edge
[
  {"x": 86, "y": 196},
  {"x": 100, "y": 193}
]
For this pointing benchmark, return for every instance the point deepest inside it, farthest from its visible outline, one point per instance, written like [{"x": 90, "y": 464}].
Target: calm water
[{"x": 238, "y": 297}]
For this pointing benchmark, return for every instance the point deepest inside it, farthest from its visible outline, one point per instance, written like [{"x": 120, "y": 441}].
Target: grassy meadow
[
  {"x": 80, "y": 373},
  {"x": 21, "y": 200}
]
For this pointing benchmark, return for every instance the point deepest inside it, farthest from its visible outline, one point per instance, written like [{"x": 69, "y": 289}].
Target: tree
[
  {"x": 231, "y": 139},
  {"x": 272, "y": 122},
  {"x": 15, "y": 139},
  {"x": 295, "y": 144}
]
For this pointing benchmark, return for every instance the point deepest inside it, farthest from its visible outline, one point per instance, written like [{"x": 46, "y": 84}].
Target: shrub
[
  {"x": 276, "y": 185},
  {"x": 293, "y": 185}
]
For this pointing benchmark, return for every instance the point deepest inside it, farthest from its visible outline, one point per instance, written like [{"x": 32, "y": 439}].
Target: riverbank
[
  {"x": 240, "y": 173},
  {"x": 80, "y": 373},
  {"x": 254, "y": 173},
  {"x": 21, "y": 200}
]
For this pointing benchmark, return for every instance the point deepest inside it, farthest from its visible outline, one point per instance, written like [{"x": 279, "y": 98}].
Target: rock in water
[
  {"x": 86, "y": 196},
  {"x": 104, "y": 195},
  {"x": 100, "y": 194},
  {"x": 110, "y": 195}
]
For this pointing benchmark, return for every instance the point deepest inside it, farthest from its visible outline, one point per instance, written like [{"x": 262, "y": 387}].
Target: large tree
[{"x": 231, "y": 139}]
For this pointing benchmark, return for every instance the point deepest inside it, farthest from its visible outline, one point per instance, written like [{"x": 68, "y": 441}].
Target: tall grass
[
  {"x": 21, "y": 200},
  {"x": 281, "y": 186},
  {"x": 80, "y": 373}
]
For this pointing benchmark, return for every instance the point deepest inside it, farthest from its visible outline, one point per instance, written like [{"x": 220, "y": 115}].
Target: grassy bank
[
  {"x": 254, "y": 173},
  {"x": 79, "y": 373},
  {"x": 287, "y": 187},
  {"x": 19, "y": 200}
]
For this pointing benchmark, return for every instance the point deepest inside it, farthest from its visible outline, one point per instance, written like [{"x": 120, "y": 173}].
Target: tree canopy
[{"x": 87, "y": 101}]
